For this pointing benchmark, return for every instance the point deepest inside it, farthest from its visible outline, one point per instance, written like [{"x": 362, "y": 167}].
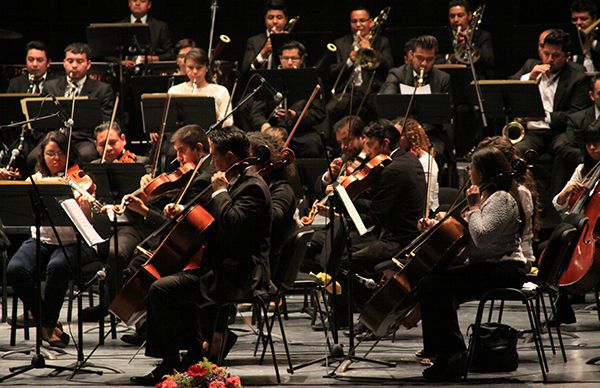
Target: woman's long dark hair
[
  {"x": 62, "y": 142},
  {"x": 590, "y": 135}
]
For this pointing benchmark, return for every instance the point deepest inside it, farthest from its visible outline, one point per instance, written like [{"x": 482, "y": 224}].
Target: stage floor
[{"x": 582, "y": 341}]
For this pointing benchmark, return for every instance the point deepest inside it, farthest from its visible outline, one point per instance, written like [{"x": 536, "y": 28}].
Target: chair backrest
[
  {"x": 558, "y": 251},
  {"x": 292, "y": 255}
]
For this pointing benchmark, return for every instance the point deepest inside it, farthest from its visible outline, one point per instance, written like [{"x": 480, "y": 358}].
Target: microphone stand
[
  {"x": 238, "y": 106},
  {"x": 213, "y": 15},
  {"x": 476, "y": 83}
]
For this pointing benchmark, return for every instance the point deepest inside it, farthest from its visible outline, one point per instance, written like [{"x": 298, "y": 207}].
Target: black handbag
[{"x": 495, "y": 349}]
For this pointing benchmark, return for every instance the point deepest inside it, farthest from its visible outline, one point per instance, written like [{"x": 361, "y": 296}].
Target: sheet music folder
[
  {"x": 17, "y": 210},
  {"x": 184, "y": 109},
  {"x": 510, "y": 99},
  {"x": 114, "y": 39},
  {"x": 87, "y": 116},
  {"x": 114, "y": 180},
  {"x": 427, "y": 108}
]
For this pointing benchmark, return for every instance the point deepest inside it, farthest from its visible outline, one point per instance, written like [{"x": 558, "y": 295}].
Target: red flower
[
  {"x": 216, "y": 384},
  {"x": 168, "y": 383},
  {"x": 233, "y": 381},
  {"x": 197, "y": 370}
]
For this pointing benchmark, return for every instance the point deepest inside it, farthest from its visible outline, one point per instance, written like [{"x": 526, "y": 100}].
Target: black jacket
[
  {"x": 160, "y": 38},
  {"x": 439, "y": 80}
]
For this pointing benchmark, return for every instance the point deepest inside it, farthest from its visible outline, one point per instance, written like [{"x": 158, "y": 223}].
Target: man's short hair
[
  {"x": 277, "y": 5},
  {"x": 359, "y": 7},
  {"x": 191, "y": 135},
  {"x": 38, "y": 45},
  {"x": 558, "y": 37},
  {"x": 184, "y": 43},
  {"x": 104, "y": 126},
  {"x": 355, "y": 125},
  {"x": 293, "y": 44},
  {"x": 383, "y": 129},
  {"x": 585, "y": 6},
  {"x": 79, "y": 48},
  {"x": 231, "y": 139},
  {"x": 460, "y": 3},
  {"x": 426, "y": 42},
  {"x": 409, "y": 45}
]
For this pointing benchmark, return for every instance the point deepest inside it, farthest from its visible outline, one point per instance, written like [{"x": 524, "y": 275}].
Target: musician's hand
[
  {"x": 172, "y": 210},
  {"x": 566, "y": 193},
  {"x": 281, "y": 114},
  {"x": 135, "y": 204},
  {"x": 539, "y": 69},
  {"x": 219, "y": 181},
  {"x": 267, "y": 49},
  {"x": 425, "y": 224},
  {"x": 153, "y": 137},
  {"x": 473, "y": 197},
  {"x": 128, "y": 64},
  {"x": 462, "y": 36},
  {"x": 328, "y": 189},
  {"x": 363, "y": 42},
  {"x": 9, "y": 173},
  {"x": 352, "y": 55},
  {"x": 85, "y": 204},
  {"x": 322, "y": 210},
  {"x": 336, "y": 167},
  {"x": 145, "y": 179},
  {"x": 440, "y": 215}
]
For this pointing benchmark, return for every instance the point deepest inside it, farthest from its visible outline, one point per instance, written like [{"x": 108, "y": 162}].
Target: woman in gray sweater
[{"x": 494, "y": 259}]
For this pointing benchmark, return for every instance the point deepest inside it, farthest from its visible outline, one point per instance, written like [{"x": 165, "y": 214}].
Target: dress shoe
[
  {"x": 133, "y": 339},
  {"x": 156, "y": 376},
  {"x": 359, "y": 328},
  {"x": 93, "y": 314},
  {"x": 447, "y": 368},
  {"x": 21, "y": 321}
]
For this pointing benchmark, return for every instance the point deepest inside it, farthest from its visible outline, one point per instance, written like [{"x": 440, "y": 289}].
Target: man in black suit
[
  {"x": 38, "y": 62},
  {"x": 361, "y": 25},
  {"x": 425, "y": 49},
  {"x": 460, "y": 15},
  {"x": 563, "y": 91},
  {"x": 258, "y": 54},
  {"x": 579, "y": 121},
  {"x": 234, "y": 265},
  {"x": 76, "y": 82},
  {"x": 583, "y": 14},
  {"x": 161, "y": 46}
]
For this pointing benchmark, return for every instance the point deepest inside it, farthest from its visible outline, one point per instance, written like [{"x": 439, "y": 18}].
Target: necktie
[
  {"x": 34, "y": 86},
  {"x": 138, "y": 20}
]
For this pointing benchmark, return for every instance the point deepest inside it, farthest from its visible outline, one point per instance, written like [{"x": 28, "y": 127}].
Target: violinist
[
  {"x": 234, "y": 265},
  {"x": 561, "y": 202},
  {"x": 58, "y": 268},
  {"x": 116, "y": 151},
  {"x": 494, "y": 259}
]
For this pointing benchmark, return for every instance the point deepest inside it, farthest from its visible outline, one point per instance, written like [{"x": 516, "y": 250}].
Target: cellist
[
  {"x": 494, "y": 259},
  {"x": 182, "y": 306},
  {"x": 591, "y": 139}
]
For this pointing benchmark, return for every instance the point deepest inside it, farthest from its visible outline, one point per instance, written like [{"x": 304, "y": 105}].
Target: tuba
[
  {"x": 514, "y": 131},
  {"x": 461, "y": 50}
]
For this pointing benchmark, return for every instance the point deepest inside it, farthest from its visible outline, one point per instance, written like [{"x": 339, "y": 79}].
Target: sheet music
[
  {"x": 406, "y": 89},
  {"x": 82, "y": 224},
  {"x": 352, "y": 212}
]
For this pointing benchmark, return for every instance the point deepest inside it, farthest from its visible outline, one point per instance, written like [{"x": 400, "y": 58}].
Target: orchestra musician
[
  {"x": 58, "y": 266},
  {"x": 264, "y": 114},
  {"x": 37, "y": 61},
  {"x": 161, "y": 46},
  {"x": 258, "y": 47},
  {"x": 77, "y": 82},
  {"x": 494, "y": 259},
  {"x": 564, "y": 91},
  {"x": 583, "y": 14},
  {"x": 117, "y": 141},
  {"x": 234, "y": 265},
  {"x": 182, "y": 47}
]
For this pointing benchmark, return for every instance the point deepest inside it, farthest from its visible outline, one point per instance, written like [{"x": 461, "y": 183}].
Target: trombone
[{"x": 584, "y": 36}]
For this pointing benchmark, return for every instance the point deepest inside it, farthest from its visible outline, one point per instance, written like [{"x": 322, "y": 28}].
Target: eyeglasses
[
  {"x": 52, "y": 154},
  {"x": 292, "y": 59}
]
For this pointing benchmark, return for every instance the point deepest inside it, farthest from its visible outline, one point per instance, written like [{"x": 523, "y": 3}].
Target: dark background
[{"x": 513, "y": 24}]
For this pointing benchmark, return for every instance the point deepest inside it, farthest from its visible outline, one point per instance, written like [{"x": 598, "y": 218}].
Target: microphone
[
  {"x": 99, "y": 276},
  {"x": 68, "y": 121},
  {"x": 369, "y": 283},
  {"x": 277, "y": 96}
]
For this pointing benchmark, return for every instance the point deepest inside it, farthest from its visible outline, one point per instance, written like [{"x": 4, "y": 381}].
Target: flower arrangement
[{"x": 204, "y": 374}]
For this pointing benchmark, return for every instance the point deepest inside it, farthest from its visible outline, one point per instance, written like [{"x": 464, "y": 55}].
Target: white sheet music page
[
  {"x": 406, "y": 89},
  {"x": 352, "y": 212},
  {"x": 82, "y": 224}
]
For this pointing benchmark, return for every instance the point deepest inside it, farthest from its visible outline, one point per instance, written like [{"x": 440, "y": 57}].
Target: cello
[
  {"x": 395, "y": 302},
  {"x": 583, "y": 272},
  {"x": 181, "y": 249}
]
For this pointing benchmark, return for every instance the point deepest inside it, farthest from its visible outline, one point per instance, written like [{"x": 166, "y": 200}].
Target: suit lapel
[{"x": 561, "y": 88}]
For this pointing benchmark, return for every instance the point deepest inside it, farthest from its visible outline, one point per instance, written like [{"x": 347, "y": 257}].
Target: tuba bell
[{"x": 514, "y": 131}]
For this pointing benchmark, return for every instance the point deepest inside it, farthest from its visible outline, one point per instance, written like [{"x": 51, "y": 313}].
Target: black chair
[
  {"x": 560, "y": 248},
  {"x": 446, "y": 197}
]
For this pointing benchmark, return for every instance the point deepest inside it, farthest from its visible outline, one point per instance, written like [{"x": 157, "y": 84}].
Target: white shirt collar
[{"x": 144, "y": 19}]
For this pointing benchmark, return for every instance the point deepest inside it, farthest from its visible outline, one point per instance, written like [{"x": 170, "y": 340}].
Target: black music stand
[
  {"x": 10, "y": 106},
  {"x": 184, "y": 109},
  {"x": 510, "y": 99},
  {"x": 86, "y": 117},
  {"x": 315, "y": 43},
  {"x": 427, "y": 108},
  {"x": 460, "y": 78},
  {"x": 294, "y": 84},
  {"x": 27, "y": 203}
]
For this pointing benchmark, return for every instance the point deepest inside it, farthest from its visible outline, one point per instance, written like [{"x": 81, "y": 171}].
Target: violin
[
  {"x": 355, "y": 184},
  {"x": 127, "y": 157},
  {"x": 163, "y": 185},
  {"x": 83, "y": 186}
]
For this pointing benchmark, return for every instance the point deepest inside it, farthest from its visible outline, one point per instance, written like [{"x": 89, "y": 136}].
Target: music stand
[
  {"x": 87, "y": 115},
  {"x": 26, "y": 203},
  {"x": 460, "y": 78},
  {"x": 427, "y": 108},
  {"x": 294, "y": 84},
  {"x": 315, "y": 43},
  {"x": 184, "y": 109},
  {"x": 509, "y": 99},
  {"x": 10, "y": 106}
]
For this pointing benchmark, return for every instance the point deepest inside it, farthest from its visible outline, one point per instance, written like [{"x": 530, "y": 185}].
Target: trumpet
[{"x": 514, "y": 131}]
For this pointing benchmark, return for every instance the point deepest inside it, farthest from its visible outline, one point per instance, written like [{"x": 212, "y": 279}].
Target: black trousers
[{"x": 440, "y": 293}]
